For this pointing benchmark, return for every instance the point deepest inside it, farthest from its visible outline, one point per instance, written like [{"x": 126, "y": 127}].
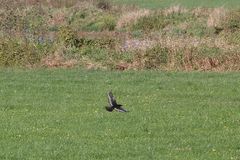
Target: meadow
[{"x": 59, "y": 114}]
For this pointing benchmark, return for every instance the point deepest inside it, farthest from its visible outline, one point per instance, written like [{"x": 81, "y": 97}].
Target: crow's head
[{"x": 109, "y": 109}]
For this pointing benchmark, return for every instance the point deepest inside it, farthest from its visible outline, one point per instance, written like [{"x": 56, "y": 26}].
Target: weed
[
  {"x": 68, "y": 37},
  {"x": 232, "y": 23},
  {"x": 198, "y": 29},
  {"x": 155, "y": 57},
  {"x": 109, "y": 23},
  {"x": 14, "y": 52},
  {"x": 34, "y": 20},
  {"x": 216, "y": 17},
  {"x": 233, "y": 38},
  {"x": 104, "y": 23},
  {"x": 131, "y": 17},
  {"x": 154, "y": 21},
  {"x": 158, "y": 21}
]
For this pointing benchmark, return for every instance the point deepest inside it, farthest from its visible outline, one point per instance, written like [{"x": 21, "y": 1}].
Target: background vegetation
[{"x": 101, "y": 34}]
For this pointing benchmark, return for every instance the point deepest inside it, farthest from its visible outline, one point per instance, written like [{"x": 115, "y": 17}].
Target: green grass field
[
  {"x": 185, "y": 3},
  {"x": 59, "y": 114}
]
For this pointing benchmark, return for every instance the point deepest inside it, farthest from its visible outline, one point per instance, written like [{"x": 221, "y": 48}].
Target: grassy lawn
[
  {"x": 186, "y": 3},
  {"x": 59, "y": 114}
]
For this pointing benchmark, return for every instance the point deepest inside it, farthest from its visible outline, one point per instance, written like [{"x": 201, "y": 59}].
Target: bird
[{"x": 113, "y": 104}]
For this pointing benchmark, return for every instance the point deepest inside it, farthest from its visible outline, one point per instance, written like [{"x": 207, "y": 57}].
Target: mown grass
[
  {"x": 154, "y": 4},
  {"x": 59, "y": 114}
]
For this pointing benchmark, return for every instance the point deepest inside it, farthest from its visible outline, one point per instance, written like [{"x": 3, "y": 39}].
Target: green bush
[
  {"x": 155, "y": 21},
  {"x": 109, "y": 23},
  {"x": 158, "y": 21},
  {"x": 206, "y": 51},
  {"x": 231, "y": 27},
  {"x": 177, "y": 18},
  {"x": 34, "y": 21},
  {"x": 199, "y": 29},
  {"x": 28, "y": 20},
  {"x": 94, "y": 53},
  {"x": 232, "y": 22},
  {"x": 103, "y": 43},
  {"x": 11, "y": 20},
  {"x": 103, "y": 23},
  {"x": 155, "y": 57},
  {"x": 92, "y": 19},
  {"x": 68, "y": 37},
  {"x": 14, "y": 52},
  {"x": 77, "y": 17},
  {"x": 232, "y": 38}
]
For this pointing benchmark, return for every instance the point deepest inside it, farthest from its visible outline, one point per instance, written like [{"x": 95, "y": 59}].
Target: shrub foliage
[{"x": 98, "y": 34}]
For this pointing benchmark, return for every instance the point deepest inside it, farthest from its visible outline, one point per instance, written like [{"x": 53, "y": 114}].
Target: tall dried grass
[
  {"x": 216, "y": 17},
  {"x": 177, "y": 9},
  {"x": 131, "y": 17}
]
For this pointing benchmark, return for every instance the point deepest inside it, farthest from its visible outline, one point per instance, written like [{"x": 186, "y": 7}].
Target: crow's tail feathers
[{"x": 120, "y": 109}]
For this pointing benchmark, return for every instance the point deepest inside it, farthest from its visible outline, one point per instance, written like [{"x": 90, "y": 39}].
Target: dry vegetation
[{"x": 98, "y": 34}]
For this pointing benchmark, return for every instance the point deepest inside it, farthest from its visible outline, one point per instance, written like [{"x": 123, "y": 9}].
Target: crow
[{"x": 113, "y": 104}]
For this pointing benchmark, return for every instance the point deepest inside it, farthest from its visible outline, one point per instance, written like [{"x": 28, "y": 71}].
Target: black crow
[{"x": 113, "y": 104}]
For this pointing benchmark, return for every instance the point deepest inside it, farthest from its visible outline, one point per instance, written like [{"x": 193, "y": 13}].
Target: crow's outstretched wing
[{"x": 111, "y": 100}]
